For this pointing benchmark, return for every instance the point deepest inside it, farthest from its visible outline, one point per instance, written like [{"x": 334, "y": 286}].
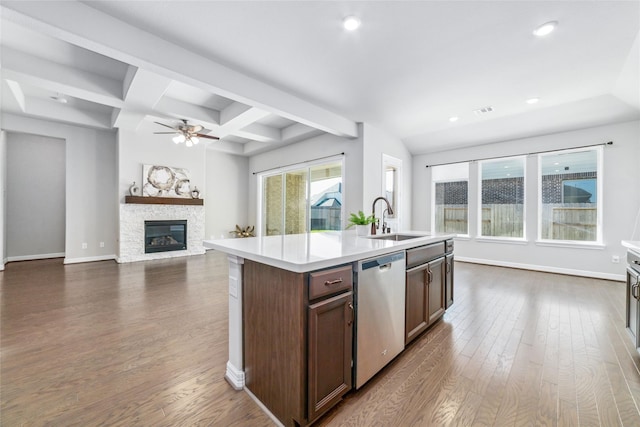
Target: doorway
[{"x": 35, "y": 197}]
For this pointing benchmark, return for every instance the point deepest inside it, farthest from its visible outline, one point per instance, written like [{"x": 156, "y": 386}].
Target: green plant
[{"x": 360, "y": 219}]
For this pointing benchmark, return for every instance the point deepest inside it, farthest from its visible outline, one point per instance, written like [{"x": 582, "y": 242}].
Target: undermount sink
[{"x": 396, "y": 237}]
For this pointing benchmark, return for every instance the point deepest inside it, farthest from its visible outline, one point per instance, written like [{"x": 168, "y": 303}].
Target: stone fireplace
[{"x": 134, "y": 216}]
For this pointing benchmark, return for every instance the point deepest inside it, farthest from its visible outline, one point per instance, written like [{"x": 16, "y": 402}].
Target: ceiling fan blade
[
  {"x": 202, "y": 135},
  {"x": 162, "y": 124},
  {"x": 195, "y": 128}
]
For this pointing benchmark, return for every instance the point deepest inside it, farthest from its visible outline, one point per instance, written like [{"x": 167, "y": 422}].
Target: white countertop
[
  {"x": 631, "y": 244},
  {"x": 312, "y": 251}
]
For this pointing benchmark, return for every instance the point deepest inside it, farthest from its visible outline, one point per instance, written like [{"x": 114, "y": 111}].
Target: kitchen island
[{"x": 291, "y": 311}]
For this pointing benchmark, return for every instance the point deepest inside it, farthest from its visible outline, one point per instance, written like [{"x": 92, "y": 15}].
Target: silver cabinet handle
[{"x": 333, "y": 282}]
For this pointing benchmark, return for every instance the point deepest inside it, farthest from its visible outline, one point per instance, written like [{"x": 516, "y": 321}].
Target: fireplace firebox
[{"x": 164, "y": 236}]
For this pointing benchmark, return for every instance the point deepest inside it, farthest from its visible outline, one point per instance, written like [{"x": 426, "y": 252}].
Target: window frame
[
  {"x": 599, "y": 200},
  {"x": 466, "y": 235},
  {"x": 479, "y": 236},
  {"x": 260, "y": 220}
]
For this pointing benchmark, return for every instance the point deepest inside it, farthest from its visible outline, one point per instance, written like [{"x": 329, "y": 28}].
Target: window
[
  {"x": 301, "y": 199},
  {"x": 451, "y": 194},
  {"x": 502, "y": 204},
  {"x": 391, "y": 185},
  {"x": 569, "y": 208}
]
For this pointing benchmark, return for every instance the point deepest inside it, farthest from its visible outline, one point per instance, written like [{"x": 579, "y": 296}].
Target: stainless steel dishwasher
[{"x": 380, "y": 303}]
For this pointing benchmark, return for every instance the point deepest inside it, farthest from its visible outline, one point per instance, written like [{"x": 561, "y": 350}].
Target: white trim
[
  {"x": 234, "y": 376},
  {"x": 545, "y": 269},
  {"x": 34, "y": 257},
  {"x": 264, "y": 408},
  {"x": 395, "y": 163},
  {"x": 90, "y": 259},
  {"x": 503, "y": 240},
  {"x": 570, "y": 244}
]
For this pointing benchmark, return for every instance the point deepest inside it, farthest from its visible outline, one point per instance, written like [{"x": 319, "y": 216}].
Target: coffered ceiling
[{"x": 263, "y": 74}]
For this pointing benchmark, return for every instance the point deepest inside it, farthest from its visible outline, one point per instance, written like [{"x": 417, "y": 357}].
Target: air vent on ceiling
[{"x": 482, "y": 111}]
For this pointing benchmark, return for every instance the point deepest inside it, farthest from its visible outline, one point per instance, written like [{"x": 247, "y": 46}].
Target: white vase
[{"x": 362, "y": 230}]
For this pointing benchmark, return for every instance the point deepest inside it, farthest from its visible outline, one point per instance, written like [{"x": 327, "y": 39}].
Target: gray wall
[
  {"x": 620, "y": 197},
  {"x": 90, "y": 185},
  {"x": 35, "y": 196},
  {"x": 226, "y": 198}
]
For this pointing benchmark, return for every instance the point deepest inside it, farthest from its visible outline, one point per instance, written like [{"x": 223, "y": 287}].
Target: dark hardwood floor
[{"x": 146, "y": 344}]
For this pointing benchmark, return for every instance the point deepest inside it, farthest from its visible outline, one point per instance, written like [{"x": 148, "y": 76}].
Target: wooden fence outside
[{"x": 568, "y": 221}]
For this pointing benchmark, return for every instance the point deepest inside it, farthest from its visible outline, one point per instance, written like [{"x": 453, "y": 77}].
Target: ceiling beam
[
  {"x": 116, "y": 39},
  {"x": 141, "y": 91},
  {"x": 258, "y": 132},
  {"x": 53, "y": 111},
  {"x": 45, "y": 74},
  {"x": 18, "y": 94},
  {"x": 183, "y": 110},
  {"x": 297, "y": 132}
]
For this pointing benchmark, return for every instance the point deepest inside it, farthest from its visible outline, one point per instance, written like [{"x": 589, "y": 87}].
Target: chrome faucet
[{"x": 375, "y": 223}]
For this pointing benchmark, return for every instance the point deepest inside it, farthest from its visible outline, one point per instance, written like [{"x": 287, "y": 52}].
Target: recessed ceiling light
[
  {"x": 533, "y": 100},
  {"x": 453, "y": 119},
  {"x": 545, "y": 28},
  {"x": 351, "y": 23}
]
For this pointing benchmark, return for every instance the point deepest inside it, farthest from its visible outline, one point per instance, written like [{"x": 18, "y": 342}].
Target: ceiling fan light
[
  {"x": 179, "y": 139},
  {"x": 194, "y": 139},
  {"x": 189, "y": 143}
]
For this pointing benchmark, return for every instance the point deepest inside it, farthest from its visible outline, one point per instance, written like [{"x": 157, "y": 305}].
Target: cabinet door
[
  {"x": 416, "y": 314},
  {"x": 449, "y": 281},
  {"x": 330, "y": 352},
  {"x": 436, "y": 288}
]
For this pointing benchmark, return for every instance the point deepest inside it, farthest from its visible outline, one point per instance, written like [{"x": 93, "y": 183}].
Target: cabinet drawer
[
  {"x": 449, "y": 246},
  {"x": 424, "y": 254},
  {"x": 328, "y": 282}
]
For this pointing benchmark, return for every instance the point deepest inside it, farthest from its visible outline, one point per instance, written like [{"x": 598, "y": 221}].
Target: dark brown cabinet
[
  {"x": 436, "y": 286},
  {"x": 330, "y": 337},
  {"x": 429, "y": 287},
  {"x": 298, "y": 338},
  {"x": 416, "y": 316},
  {"x": 448, "y": 281}
]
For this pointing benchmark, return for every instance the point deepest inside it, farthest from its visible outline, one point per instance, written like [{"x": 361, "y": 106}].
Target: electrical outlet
[
  {"x": 84, "y": 246},
  {"x": 615, "y": 259},
  {"x": 102, "y": 244}
]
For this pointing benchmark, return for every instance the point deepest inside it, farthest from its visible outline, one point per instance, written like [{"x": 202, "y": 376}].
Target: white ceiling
[{"x": 262, "y": 74}]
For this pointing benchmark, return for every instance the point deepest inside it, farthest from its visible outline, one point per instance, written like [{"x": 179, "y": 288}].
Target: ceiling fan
[{"x": 189, "y": 134}]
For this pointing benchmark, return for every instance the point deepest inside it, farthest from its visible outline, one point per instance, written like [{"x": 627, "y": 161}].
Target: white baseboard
[
  {"x": 264, "y": 408},
  {"x": 89, "y": 259},
  {"x": 234, "y": 376},
  {"x": 33, "y": 257},
  {"x": 546, "y": 269}
]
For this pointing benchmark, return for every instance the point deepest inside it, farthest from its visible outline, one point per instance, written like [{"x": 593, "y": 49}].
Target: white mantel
[{"x": 133, "y": 216}]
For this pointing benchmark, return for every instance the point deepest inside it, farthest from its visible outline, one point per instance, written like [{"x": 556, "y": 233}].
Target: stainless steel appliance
[
  {"x": 380, "y": 307},
  {"x": 633, "y": 297}
]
